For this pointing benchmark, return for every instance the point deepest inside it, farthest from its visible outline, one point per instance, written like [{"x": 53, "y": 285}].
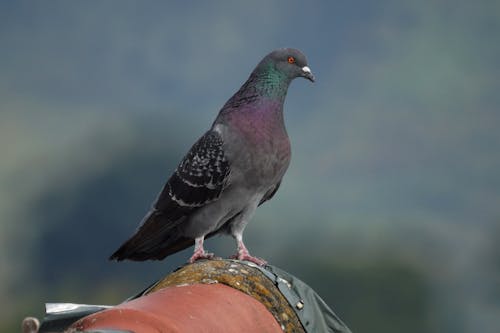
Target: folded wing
[{"x": 199, "y": 179}]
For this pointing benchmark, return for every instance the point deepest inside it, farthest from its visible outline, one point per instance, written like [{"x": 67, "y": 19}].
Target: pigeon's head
[{"x": 290, "y": 62}]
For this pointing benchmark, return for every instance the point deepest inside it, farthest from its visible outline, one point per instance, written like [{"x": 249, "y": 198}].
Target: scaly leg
[
  {"x": 243, "y": 253},
  {"x": 199, "y": 251}
]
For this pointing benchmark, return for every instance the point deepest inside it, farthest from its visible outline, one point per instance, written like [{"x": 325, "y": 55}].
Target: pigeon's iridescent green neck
[
  {"x": 271, "y": 83},
  {"x": 266, "y": 85}
]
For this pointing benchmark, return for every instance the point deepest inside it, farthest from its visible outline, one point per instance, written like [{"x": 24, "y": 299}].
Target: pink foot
[
  {"x": 244, "y": 255},
  {"x": 248, "y": 257},
  {"x": 197, "y": 256},
  {"x": 200, "y": 255},
  {"x": 199, "y": 251}
]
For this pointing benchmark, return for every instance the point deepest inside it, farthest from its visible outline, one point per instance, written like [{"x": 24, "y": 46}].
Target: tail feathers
[{"x": 156, "y": 238}]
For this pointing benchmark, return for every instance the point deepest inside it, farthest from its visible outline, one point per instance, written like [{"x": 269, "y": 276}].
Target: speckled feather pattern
[{"x": 201, "y": 175}]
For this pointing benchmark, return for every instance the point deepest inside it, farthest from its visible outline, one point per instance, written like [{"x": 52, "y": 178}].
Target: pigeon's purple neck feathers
[{"x": 260, "y": 98}]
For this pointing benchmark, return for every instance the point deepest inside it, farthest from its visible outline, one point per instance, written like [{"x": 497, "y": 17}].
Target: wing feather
[{"x": 199, "y": 179}]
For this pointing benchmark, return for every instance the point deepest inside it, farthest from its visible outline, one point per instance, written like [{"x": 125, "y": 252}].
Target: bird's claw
[
  {"x": 248, "y": 257},
  {"x": 201, "y": 255}
]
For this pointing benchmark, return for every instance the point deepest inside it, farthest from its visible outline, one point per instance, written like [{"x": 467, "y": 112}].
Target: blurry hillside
[{"x": 391, "y": 206}]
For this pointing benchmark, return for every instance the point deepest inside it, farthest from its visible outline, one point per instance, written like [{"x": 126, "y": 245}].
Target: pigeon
[{"x": 236, "y": 166}]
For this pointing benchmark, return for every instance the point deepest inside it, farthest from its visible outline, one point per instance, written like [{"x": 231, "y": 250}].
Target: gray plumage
[{"x": 234, "y": 167}]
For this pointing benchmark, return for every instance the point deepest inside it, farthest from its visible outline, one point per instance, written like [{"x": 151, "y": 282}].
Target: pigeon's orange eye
[{"x": 291, "y": 60}]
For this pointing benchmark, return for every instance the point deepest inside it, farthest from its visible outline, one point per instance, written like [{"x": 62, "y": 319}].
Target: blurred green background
[{"x": 391, "y": 206}]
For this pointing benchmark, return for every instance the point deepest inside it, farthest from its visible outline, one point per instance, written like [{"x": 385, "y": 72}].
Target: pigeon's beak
[{"x": 306, "y": 72}]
